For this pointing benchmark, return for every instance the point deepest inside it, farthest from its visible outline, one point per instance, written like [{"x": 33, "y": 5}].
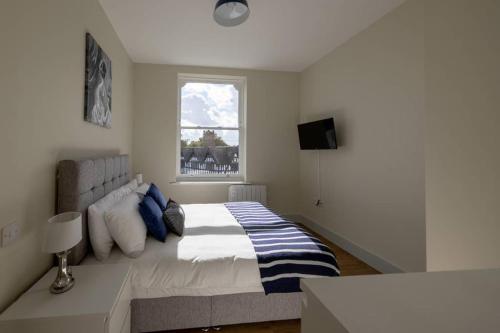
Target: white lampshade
[
  {"x": 138, "y": 177},
  {"x": 63, "y": 232}
]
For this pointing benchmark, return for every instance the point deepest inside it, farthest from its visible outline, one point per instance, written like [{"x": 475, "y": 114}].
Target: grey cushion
[{"x": 173, "y": 217}]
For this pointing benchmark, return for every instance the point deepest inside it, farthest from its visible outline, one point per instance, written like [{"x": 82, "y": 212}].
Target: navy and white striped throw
[{"x": 285, "y": 252}]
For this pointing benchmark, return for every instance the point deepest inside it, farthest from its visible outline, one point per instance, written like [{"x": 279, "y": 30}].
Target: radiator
[{"x": 256, "y": 193}]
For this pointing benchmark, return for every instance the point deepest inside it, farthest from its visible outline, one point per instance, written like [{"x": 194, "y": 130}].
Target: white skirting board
[{"x": 371, "y": 259}]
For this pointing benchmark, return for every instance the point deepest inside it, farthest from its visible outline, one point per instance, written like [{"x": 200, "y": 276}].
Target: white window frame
[{"x": 240, "y": 84}]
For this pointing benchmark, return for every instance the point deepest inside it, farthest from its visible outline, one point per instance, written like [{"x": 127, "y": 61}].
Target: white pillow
[
  {"x": 143, "y": 188},
  {"x": 132, "y": 185},
  {"x": 126, "y": 226},
  {"x": 100, "y": 238}
]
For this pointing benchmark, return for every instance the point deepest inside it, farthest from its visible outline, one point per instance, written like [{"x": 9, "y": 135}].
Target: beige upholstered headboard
[{"x": 83, "y": 182}]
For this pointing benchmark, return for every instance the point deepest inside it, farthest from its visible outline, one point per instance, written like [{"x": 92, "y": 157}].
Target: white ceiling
[{"x": 286, "y": 35}]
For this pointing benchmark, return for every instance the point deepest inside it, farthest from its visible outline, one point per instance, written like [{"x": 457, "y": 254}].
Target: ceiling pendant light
[{"x": 230, "y": 13}]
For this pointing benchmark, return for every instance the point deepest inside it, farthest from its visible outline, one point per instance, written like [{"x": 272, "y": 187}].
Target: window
[{"x": 211, "y": 128}]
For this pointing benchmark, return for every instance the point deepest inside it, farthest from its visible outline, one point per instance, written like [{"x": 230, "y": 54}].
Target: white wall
[
  {"x": 271, "y": 145},
  {"x": 42, "y": 69},
  {"x": 462, "y": 134},
  {"x": 373, "y": 185}
]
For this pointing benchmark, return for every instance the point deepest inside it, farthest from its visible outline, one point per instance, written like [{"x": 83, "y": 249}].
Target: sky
[{"x": 208, "y": 104}]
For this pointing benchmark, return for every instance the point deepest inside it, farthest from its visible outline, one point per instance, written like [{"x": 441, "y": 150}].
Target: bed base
[{"x": 183, "y": 312}]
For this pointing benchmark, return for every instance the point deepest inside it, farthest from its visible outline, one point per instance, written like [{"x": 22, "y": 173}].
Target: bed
[
  {"x": 191, "y": 265},
  {"x": 212, "y": 276}
]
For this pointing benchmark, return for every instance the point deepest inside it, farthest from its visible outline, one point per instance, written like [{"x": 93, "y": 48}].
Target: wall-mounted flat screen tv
[{"x": 318, "y": 135}]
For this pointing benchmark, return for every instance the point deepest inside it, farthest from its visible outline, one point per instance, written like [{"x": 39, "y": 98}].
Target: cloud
[{"x": 207, "y": 104}]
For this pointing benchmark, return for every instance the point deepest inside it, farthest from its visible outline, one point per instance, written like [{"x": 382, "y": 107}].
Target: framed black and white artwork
[{"x": 97, "y": 84}]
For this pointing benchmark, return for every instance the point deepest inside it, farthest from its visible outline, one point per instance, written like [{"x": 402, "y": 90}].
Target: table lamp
[
  {"x": 138, "y": 177},
  {"x": 64, "y": 231}
]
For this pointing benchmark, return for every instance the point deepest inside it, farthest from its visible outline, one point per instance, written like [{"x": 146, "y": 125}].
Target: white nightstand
[{"x": 99, "y": 302}]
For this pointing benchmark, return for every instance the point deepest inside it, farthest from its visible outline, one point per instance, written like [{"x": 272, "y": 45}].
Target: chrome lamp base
[{"x": 64, "y": 280}]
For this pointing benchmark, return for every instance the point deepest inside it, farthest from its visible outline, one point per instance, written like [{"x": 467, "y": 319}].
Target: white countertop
[{"x": 459, "y": 301}]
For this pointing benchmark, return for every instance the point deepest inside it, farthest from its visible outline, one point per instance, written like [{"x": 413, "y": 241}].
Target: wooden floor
[{"x": 349, "y": 265}]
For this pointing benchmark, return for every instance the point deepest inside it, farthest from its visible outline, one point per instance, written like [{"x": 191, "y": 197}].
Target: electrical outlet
[{"x": 10, "y": 233}]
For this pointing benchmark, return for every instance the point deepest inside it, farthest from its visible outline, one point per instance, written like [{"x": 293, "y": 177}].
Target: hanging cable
[{"x": 318, "y": 201}]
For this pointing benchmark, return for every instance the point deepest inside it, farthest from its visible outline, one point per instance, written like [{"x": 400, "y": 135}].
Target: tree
[{"x": 208, "y": 139}]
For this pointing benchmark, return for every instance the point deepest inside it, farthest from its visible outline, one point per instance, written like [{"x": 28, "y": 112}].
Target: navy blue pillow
[
  {"x": 155, "y": 193},
  {"x": 153, "y": 218}
]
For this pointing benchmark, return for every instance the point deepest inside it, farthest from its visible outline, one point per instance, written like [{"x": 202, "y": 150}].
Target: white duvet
[{"x": 213, "y": 257}]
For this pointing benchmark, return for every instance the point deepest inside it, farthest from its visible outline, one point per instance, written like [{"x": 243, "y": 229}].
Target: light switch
[{"x": 10, "y": 233}]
